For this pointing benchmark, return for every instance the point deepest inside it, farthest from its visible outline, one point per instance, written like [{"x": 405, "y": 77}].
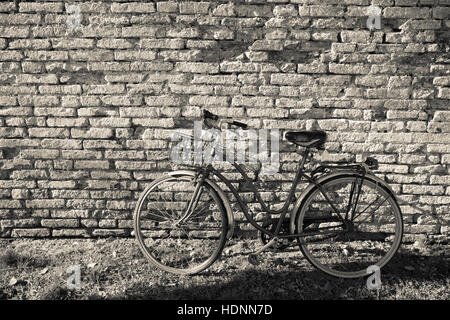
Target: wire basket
[
  {"x": 199, "y": 150},
  {"x": 215, "y": 146}
]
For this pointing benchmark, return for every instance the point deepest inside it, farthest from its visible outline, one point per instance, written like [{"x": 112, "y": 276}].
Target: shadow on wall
[{"x": 399, "y": 280}]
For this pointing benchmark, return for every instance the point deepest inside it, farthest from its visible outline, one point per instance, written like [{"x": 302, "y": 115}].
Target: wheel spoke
[
  {"x": 174, "y": 245},
  {"x": 370, "y": 215},
  {"x": 367, "y": 237}
]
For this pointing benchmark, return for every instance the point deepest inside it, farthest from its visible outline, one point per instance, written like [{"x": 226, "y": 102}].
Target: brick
[
  {"x": 94, "y": 31},
  {"x": 167, "y": 6},
  {"x": 442, "y": 81},
  {"x": 238, "y": 67},
  {"x": 139, "y": 31},
  {"x": 109, "y": 232},
  {"x": 108, "y": 66},
  {"x": 163, "y": 123},
  {"x": 128, "y": 77},
  {"x": 72, "y": 233},
  {"x": 13, "y": 204},
  {"x": 108, "y": 43},
  {"x": 404, "y": 12},
  {"x": 162, "y": 43},
  {"x": 441, "y": 116},
  {"x": 61, "y": 143},
  {"x": 91, "y": 55},
  {"x": 290, "y": 79},
  {"x": 60, "y": 89},
  {"x": 103, "y": 88},
  {"x": 189, "y": 7},
  {"x": 135, "y": 165},
  {"x": 129, "y": 55},
  {"x": 92, "y": 133},
  {"x": 124, "y": 154},
  {"x": 91, "y": 164},
  {"x": 132, "y": 7},
  {"x": 321, "y": 11},
  {"x": 14, "y": 32},
  {"x": 110, "y": 122},
  {"x": 197, "y": 67},
  {"x": 209, "y": 101},
  {"x": 151, "y": 66},
  {"x": 20, "y": 223},
  {"x": 21, "y": 18},
  {"x": 423, "y": 190},
  {"x": 39, "y": 154},
  {"x": 74, "y": 213},
  {"x": 101, "y": 144},
  {"x": 30, "y": 233},
  {"x": 32, "y": 67},
  {"x": 81, "y": 154},
  {"x": 42, "y": 55},
  {"x": 60, "y": 223},
  {"x": 191, "y": 32},
  {"x": 252, "y": 102},
  {"x": 66, "y": 122},
  {"x": 44, "y": 203},
  {"x": 312, "y": 68},
  {"x": 356, "y": 36},
  {"x": 45, "y": 101},
  {"x": 7, "y": 6},
  {"x": 163, "y": 100},
  {"x": 267, "y": 45},
  {"x": 32, "y": 78},
  {"x": 8, "y": 101},
  {"x": 349, "y": 68},
  {"x": 40, "y": 7},
  {"x": 444, "y": 93},
  {"x": 441, "y": 12}
]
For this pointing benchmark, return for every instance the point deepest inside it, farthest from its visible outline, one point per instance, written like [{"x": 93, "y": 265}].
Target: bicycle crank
[{"x": 254, "y": 258}]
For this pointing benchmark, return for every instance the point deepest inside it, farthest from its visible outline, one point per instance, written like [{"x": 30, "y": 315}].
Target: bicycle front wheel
[
  {"x": 167, "y": 238},
  {"x": 349, "y": 223}
]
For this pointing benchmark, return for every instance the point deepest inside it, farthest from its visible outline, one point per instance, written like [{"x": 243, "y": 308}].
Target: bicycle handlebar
[{"x": 212, "y": 116}]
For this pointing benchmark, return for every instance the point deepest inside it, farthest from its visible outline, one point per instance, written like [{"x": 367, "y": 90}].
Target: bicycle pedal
[{"x": 254, "y": 259}]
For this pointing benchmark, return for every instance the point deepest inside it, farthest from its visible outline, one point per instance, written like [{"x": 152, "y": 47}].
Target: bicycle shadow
[{"x": 292, "y": 280}]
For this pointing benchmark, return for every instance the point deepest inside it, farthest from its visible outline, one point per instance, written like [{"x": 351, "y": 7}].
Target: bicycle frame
[{"x": 205, "y": 172}]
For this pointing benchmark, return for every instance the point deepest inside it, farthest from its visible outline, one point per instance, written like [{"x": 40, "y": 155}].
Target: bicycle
[{"x": 344, "y": 221}]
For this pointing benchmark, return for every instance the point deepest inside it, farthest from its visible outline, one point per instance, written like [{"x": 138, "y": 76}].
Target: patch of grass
[
  {"x": 12, "y": 259},
  {"x": 9, "y": 259},
  {"x": 115, "y": 269},
  {"x": 57, "y": 292}
]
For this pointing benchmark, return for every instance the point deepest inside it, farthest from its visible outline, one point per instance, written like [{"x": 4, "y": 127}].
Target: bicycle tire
[
  {"x": 157, "y": 254},
  {"x": 349, "y": 254}
]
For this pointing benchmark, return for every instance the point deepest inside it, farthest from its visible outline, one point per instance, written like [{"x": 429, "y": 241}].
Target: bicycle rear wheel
[
  {"x": 188, "y": 247},
  {"x": 366, "y": 230}
]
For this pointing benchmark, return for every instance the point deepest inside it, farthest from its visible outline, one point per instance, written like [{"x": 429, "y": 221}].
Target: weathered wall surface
[{"x": 87, "y": 112}]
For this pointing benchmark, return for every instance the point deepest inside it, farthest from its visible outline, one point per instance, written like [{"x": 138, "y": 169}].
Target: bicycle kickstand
[{"x": 254, "y": 258}]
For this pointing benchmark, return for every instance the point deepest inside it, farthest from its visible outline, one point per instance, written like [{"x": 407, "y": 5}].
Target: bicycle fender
[
  {"x": 222, "y": 196},
  {"x": 330, "y": 176}
]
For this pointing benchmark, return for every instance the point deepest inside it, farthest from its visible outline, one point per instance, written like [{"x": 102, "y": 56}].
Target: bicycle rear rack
[{"x": 363, "y": 168}]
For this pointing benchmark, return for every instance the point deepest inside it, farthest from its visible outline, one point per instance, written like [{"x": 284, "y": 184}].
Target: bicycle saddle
[{"x": 310, "y": 139}]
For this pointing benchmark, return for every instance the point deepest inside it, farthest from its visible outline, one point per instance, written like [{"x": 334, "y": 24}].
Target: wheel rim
[
  {"x": 190, "y": 246},
  {"x": 371, "y": 238}
]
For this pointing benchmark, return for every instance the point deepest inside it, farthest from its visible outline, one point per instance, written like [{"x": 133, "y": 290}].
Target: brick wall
[{"x": 86, "y": 113}]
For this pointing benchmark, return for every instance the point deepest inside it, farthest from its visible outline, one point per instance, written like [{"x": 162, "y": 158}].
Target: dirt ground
[{"x": 115, "y": 269}]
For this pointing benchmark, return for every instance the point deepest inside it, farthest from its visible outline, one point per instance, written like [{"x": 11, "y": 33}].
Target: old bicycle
[{"x": 344, "y": 221}]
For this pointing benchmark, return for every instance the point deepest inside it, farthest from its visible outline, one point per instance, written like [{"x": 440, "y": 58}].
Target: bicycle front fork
[{"x": 199, "y": 180}]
